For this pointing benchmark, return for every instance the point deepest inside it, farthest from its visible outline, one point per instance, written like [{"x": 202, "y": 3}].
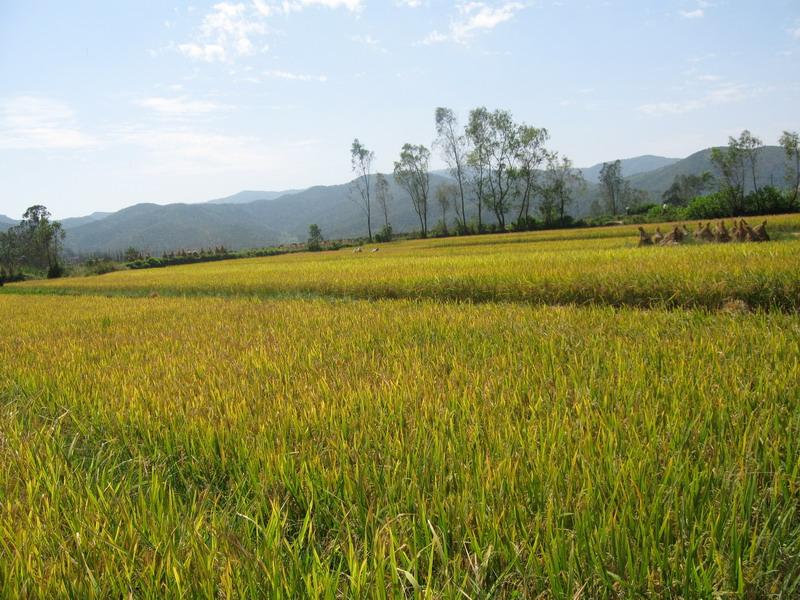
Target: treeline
[
  {"x": 137, "y": 260},
  {"x": 36, "y": 243},
  {"x": 503, "y": 168},
  {"x": 499, "y": 166},
  {"x": 733, "y": 189}
]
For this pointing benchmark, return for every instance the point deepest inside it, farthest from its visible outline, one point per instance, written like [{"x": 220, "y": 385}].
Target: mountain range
[
  {"x": 263, "y": 218},
  {"x": 247, "y": 196},
  {"x": 631, "y": 166}
]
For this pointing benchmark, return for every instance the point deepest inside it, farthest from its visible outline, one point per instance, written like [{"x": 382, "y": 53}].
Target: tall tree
[
  {"x": 561, "y": 182},
  {"x": 503, "y": 151},
  {"x": 493, "y": 137},
  {"x": 383, "y": 194},
  {"x": 361, "y": 161},
  {"x": 453, "y": 147},
  {"x": 10, "y": 253},
  {"x": 411, "y": 173},
  {"x": 730, "y": 165},
  {"x": 530, "y": 153},
  {"x": 477, "y": 133},
  {"x": 790, "y": 140},
  {"x": 612, "y": 184},
  {"x": 315, "y": 238},
  {"x": 685, "y": 188},
  {"x": 749, "y": 145},
  {"x": 445, "y": 195},
  {"x": 35, "y": 242},
  {"x": 633, "y": 197}
]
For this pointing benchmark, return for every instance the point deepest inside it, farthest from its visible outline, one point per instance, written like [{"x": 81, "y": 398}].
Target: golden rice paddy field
[
  {"x": 377, "y": 438},
  {"x": 595, "y": 266}
]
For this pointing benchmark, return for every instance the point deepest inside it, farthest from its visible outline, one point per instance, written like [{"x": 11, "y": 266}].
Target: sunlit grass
[
  {"x": 582, "y": 266},
  {"x": 303, "y": 448}
]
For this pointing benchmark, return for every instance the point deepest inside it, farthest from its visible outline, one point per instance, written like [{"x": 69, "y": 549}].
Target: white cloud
[
  {"x": 277, "y": 74},
  {"x": 698, "y": 13},
  {"x": 34, "y": 122},
  {"x": 723, "y": 94},
  {"x": 367, "y": 40},
  {"x": 207, "y": 52},
  {"x": 410, "y": 3},
  {"x": 264, "y": 9},
  {"x": 474, "y": 17},
  {"x": 295, "y": 5},
  {"x": 795, "y": 33},
  {"x": 226, "y": 32},
  {"x": 268, "y": 8},
  {"x": 180, "y": 106},
  {"x": 233, "y": 30},
  {"x": 186, "y": 151}
]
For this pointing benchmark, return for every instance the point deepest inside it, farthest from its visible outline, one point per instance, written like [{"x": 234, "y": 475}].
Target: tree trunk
[
  {"x": 796, "y": 176},
  {"x": 461, "y": 191},
  {"x": 369, "y": 209}
]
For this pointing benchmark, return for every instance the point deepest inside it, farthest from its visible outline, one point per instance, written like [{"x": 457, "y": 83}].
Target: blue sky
[{"x": 106, "y": 104}]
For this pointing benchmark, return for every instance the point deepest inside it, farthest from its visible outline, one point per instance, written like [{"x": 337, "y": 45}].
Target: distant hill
[
  {"x": 631, "y": 166},
  {"x": 285, "y": 219},
  {"x": 771, "y": 169},
  {"x": 252, "y": 218},
  {"x": 68, "y": 223},
  {"x": 72, "y": 222},
  {"x": 161, "y": 228},
  {"x": 6, "y": 222},
  {"x": 248, "y": 196}
]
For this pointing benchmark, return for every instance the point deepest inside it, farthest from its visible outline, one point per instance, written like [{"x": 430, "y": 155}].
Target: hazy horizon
[{"x": 106, "y": 106}]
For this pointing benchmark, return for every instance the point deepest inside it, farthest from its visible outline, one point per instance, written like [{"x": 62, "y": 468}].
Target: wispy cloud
[
  {"x": 294, "y": 5},
  {"x": 180, "y": 106},
  {"x": 698, "y": 12},
  {"x": 369, "y": 41},
  {"x": 35, "y": 122},
  {"x": 723, "y": 94},
  {"x": 473, "y": 18},
  {"x": 277, "y": 74},
  {"x": 709, "y": 78},
  {"x": 795, "y": 32},
  {"x": 188, "y": 150}
]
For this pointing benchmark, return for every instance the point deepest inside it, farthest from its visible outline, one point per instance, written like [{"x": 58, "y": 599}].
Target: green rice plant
[{"x": 242, "y": 447}]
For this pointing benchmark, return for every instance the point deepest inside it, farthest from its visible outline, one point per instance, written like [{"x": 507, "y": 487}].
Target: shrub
[
  {"x": 55, "y": 271},
  {"x": 440, "y": 230},
  {"x": 665, "y": 212},
  {"x": 385, "y": 234},
  {"x": 642, "y": 209},
  {"x": 525, "y": 224},
  {"x": 768, "y": 200},
  {"x": 712, "y": 206}
]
